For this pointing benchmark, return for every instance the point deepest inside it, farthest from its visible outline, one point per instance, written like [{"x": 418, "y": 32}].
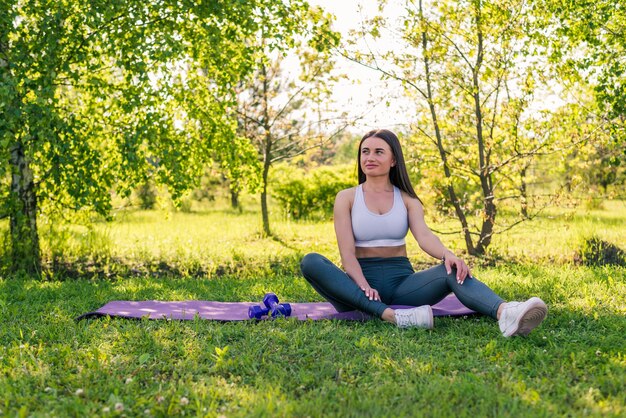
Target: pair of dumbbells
[{"x": 272, "y": 308}]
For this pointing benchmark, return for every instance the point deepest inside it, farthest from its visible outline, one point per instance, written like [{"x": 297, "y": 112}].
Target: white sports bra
[{"x": 374, "y": 230}]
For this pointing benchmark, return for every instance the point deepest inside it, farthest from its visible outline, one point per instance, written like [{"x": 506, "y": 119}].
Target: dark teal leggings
[{"x": 397, "y": 284}]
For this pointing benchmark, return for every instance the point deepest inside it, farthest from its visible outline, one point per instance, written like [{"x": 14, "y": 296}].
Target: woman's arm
[
  {"x": 345, "y": 241},
  {"x": 430, "y": 243}
]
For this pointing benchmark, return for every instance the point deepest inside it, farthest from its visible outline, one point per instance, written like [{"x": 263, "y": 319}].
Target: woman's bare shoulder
[
  {"x": 347, "y": 193},
  {"x": 346, "y": 196},
  {"x": 411, "y": 202}
]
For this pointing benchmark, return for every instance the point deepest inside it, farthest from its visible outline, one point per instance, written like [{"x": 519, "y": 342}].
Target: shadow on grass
[
  {"x": 72, "y": 291},
  {"x": 597, "y": 290},
  {"x": 558, "y": 286},
  {"x": 120, "y": 268}
]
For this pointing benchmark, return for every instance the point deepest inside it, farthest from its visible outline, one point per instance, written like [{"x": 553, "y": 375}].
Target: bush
[
  {"x": 303, "y": 195},
  {"x": 147, "y": 195},
  {"x": 293, "y": 198},
  {"x": 594, "y": 203},
  {"x": 597, "y": 252}
]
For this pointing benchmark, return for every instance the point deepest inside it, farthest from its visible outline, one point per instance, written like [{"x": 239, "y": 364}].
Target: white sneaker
[
  {"x": 421, "y": 317},
  {"x": 519, "y": 318}
]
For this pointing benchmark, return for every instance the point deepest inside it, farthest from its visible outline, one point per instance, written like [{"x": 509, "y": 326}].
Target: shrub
[
  {"x": 303, "y": 194},
  {"x": 293, "y": 197},
  {"x": 147, "y": 195},
  {"x": 597, "y": 252},
  {"x": 594, "y": 203}
]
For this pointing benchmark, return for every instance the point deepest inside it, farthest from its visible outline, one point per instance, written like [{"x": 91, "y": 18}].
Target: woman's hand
[
  {"x": 462, "y": 271},
  {"x": 372, "y": 294}
]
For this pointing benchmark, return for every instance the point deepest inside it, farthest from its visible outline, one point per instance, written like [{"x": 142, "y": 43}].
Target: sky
[
  {"x": 391, "y": 109},
  {"x": 363, "y": 93}
]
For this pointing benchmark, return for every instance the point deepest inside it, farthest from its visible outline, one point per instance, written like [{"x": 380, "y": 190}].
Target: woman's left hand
[
  {"x": 370, "y": 293},
  {"x": 462, "y": 271}
]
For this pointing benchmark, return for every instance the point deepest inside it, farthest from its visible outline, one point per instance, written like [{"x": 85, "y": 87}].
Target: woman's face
[{"x": 376, "y": 157}]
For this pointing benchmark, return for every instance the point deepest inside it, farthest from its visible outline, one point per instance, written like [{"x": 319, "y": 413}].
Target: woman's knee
[
  {"x": 441, "y": 269},
  {"x": 451, "y": 278},
  {"x": 310, "y": 262}
]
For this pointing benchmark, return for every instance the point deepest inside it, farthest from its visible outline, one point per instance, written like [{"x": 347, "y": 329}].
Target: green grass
[{"x": 51, "y": 365}]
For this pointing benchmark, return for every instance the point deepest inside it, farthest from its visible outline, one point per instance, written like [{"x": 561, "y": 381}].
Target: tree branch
[
  {"x": 455, "y": 46},
  {"x": 535, "y": 151},
  {"x": 280, "y": 112},
  {"x": 376, "y": 67}
]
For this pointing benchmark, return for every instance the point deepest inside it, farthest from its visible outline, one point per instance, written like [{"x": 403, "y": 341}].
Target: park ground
[{"x": 53, "y": 365}]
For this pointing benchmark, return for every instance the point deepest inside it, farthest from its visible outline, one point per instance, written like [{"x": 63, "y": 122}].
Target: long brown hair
[{"x": 398, "y": 174}]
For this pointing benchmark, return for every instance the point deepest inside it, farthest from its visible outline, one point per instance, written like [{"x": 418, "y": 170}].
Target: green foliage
[
  {"x": 587, "y": 47},
  {"x": 101, "y": 96},
  {"x": 305, "y": 194},
  {"x": 589, "y": 43},
  {"x": 597, "y": 252},
  {"x": 609, "y": 168},
  {"x": 435, "y": 187},
  {"x": 590, "y": 162},
  {"x": 346, "y": 149},
  {"x": 147, "y": 195},
  {"x": 276, "y": 105},
  {"x": 473, "y": 72}
]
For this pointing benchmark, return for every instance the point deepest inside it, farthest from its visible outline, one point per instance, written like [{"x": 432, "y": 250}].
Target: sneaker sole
[
  {"x": 534, "y": 315},
  {"x": 430, "y": 317}
]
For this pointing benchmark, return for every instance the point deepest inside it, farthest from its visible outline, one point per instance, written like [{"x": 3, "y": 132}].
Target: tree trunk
[
  {"x": 234, "y": 200},
  {"x": 267, "y": 151},
  {"x": 489, "y": 210},
  {"x": 442, "y": 153},
  {"x": 523, "y": 192},
  {"x": 25, "y": 254},
  {"x": 486, "y": 184},
  {"x": 264, "y": 210}
]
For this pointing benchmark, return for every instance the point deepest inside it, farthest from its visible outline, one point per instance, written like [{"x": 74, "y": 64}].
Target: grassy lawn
[{"x": 51, "y": 365}]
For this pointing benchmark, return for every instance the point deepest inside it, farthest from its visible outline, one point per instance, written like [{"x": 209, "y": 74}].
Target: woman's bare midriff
[{"x": 368, "y": 252}]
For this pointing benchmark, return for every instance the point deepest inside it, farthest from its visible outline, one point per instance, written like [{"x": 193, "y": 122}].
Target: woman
[{"x": 371, "y": 222}]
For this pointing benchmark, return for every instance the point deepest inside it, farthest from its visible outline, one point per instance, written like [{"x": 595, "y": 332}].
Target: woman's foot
[
  {"x": 519, "y": 318},
  {"x": 421, "y": 317}
]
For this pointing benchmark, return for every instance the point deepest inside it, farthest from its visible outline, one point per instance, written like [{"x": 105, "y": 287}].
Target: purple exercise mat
[{"x": 238, "y": 311}]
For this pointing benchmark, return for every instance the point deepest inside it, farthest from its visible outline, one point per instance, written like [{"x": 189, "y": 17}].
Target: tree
[
  {"x": 593, "y": 163},
  {"x": 273, "y": 108},
  {"x": 90, "y": 96},
  {"x": 588, "y": 47},
  {"x": 586, "y": 44},
  {"x": 590, "y": 43},
  {"x": 470, "y": 67}
]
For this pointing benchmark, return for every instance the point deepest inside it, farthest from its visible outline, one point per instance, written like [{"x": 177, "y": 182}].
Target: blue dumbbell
[{"x": 272, "y": 308}]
